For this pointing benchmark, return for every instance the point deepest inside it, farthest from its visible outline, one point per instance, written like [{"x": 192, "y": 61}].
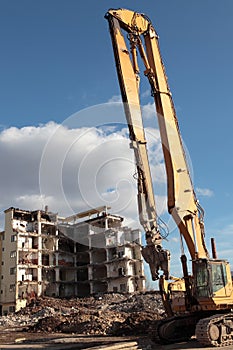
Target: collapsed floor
[{"x": 110, "y": 314}]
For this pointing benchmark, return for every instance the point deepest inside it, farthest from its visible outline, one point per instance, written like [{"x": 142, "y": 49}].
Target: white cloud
[
  {"x": 20, "y": 155},
  {"x": 146, "y": 93},
  {"x": 33, "y": 201},
  {"x": 115, "y": 98},
  {"x": 205, "y": 192},
  {"x": 175, "y": 239},
  {"x": 73, "y": 169},
  {"x": 149, "y": 111}
]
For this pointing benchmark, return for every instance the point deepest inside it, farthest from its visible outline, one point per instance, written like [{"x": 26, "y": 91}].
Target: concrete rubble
[{"x": 109, "y": 314}]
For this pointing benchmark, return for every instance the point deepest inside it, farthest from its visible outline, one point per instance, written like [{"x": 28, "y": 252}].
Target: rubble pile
[{"x": 109, "y": 314}]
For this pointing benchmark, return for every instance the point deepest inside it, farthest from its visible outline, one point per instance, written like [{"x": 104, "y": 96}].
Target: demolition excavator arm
[
  {"x": 128, "y": 74},
  {"x": 209, "y": 288},
  {"x": 182, "y": 202}
]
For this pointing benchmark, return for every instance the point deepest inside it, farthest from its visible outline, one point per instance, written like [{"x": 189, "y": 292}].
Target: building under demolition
[{"x": 87, "y": 253}]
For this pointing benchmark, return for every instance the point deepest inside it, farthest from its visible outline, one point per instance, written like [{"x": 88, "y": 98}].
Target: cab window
[
  {"x": 219, "y": 277},
  {"x": 202, "y": 285}
]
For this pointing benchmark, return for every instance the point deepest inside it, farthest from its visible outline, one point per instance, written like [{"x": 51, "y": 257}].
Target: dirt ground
[{"x": 22, "y": 340}]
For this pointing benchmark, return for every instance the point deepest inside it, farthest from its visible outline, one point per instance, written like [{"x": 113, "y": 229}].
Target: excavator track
[
  {"x": 174, "y": 329},
  {"x": 216, "y": 330}
]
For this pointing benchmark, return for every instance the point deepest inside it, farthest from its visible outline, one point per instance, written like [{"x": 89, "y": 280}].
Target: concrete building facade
[{"x": 88, "y": 253}]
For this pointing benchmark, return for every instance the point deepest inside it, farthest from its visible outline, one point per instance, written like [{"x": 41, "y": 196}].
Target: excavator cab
[{"x": 212, "y": 278}]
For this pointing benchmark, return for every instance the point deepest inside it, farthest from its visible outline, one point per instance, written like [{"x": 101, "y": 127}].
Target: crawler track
[
  {"x": 174, "y": 329},
  {"x": 216, "y": 330}
]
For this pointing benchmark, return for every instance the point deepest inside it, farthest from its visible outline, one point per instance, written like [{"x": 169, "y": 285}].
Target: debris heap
[{"x": 108, "y": 314}]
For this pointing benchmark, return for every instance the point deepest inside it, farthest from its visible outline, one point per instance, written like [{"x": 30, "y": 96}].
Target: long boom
[
  {"x": 129, "y": 84},
  {"x": 182, "y": 201}
]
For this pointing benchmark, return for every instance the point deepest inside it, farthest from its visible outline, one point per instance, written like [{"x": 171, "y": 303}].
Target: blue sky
[{"x": 56, "y": 59}]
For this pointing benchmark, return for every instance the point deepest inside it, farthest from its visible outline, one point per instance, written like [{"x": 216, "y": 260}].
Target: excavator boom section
[
  {"x": 129, "y": 84},
  {"x": 182, "y": 202}
]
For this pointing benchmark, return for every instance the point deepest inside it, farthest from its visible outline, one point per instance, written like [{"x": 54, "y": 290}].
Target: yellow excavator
[{"x": 199, "y": 303}]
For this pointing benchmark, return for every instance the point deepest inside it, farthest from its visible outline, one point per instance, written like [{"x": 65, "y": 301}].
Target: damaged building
[{"x": 87, "y": 253}]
